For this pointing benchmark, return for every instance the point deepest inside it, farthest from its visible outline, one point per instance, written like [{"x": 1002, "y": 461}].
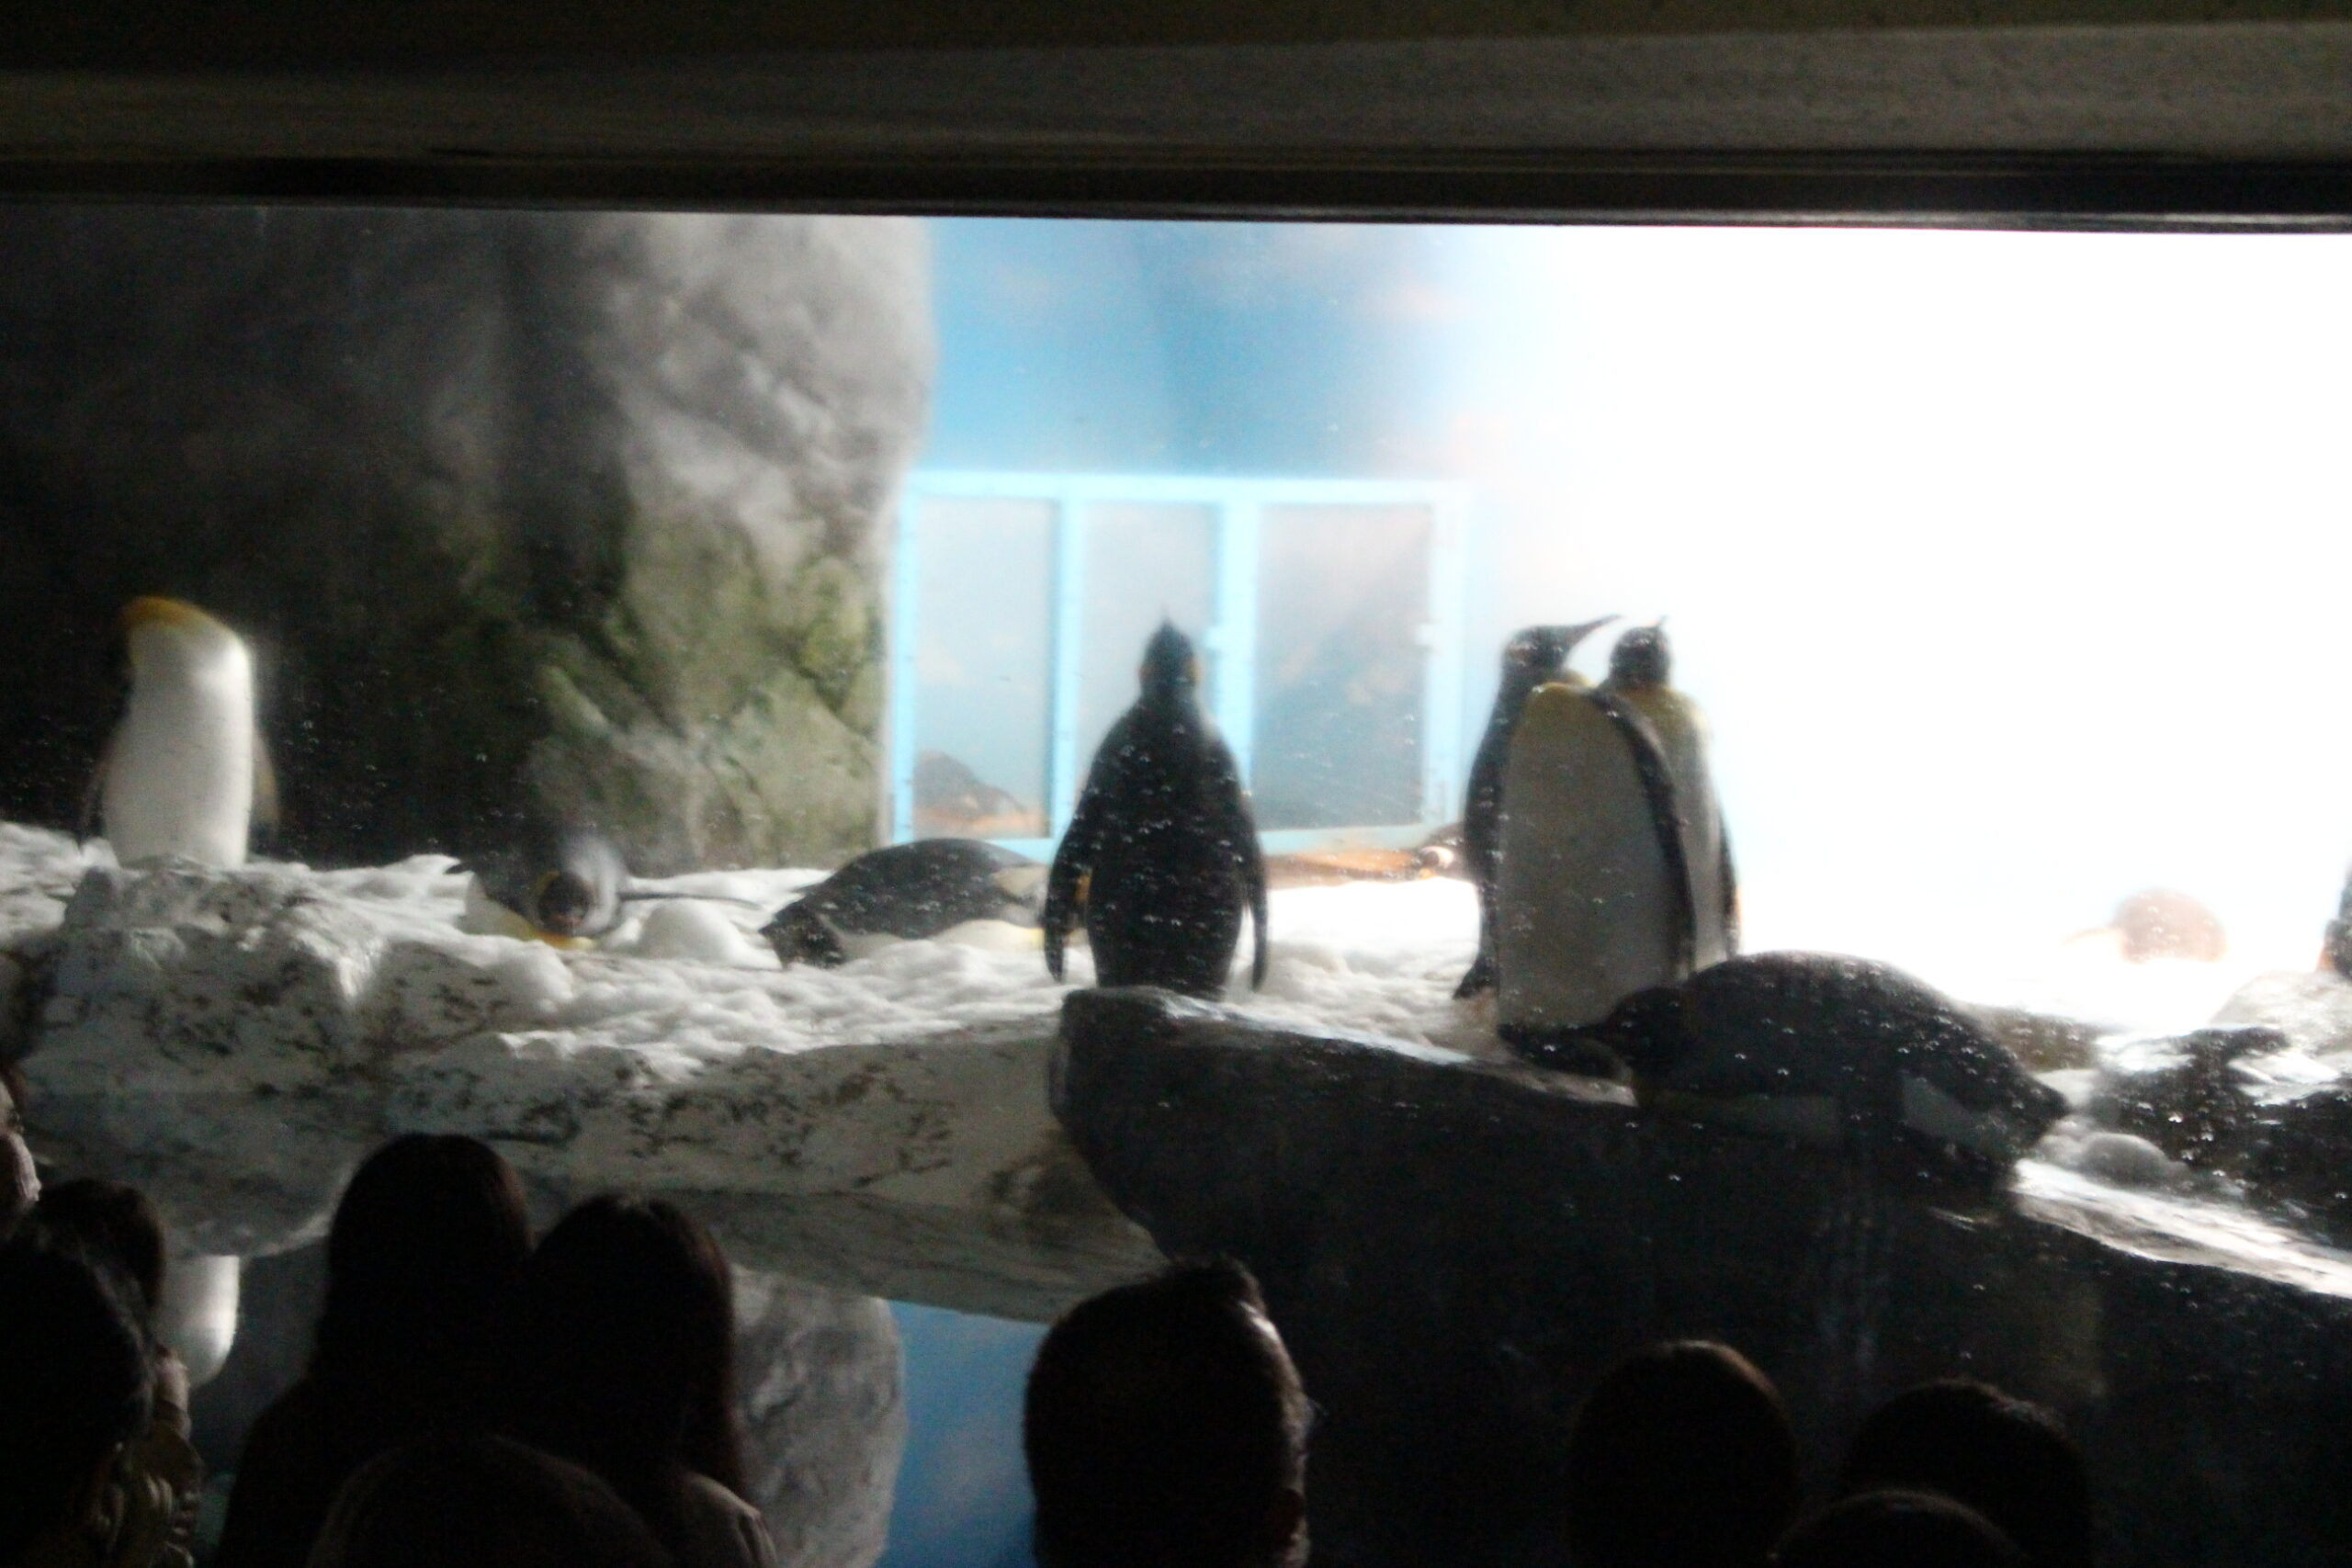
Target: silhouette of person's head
[
  {"x": 481, "y": 1502},
  {"x": 115, "y": 1222},
  {"x": 1680, "y": 1457},
  {"x": 617, "y": 1352},
  {"x": 76, "y": 1380},
  {"x": 1165, "y": 1425},
  {"x": 2008, "y": 1458},
  {"x": 1897, "y": 1529},
  {"x": 430, "y": 1231},
  {"x": 19, "y": 1183}
]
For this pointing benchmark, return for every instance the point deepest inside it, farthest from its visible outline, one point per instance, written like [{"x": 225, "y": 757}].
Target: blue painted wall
[{"x": 1203, "y": 349}]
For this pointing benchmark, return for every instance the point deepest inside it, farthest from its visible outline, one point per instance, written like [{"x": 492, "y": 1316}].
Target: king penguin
[
  {"x": 185, "y": 772},
  {"x": 1641, "y": 673},
  {"x": 1532, "y": 657},
  {"x": 1594, "y": 896},
  {"x": 1161, "y": 842}
]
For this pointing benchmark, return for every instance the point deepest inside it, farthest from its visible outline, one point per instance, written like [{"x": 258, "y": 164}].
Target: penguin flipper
[
  {"x": 1065, "y": 882},
  {"x": 1657, "y": 789},
  {"x": 265, "y": 803},
  {"x": 1730, "y": 889},
  {"x": 1254, "y": 871},
  {"x": 94, "y": 792}
]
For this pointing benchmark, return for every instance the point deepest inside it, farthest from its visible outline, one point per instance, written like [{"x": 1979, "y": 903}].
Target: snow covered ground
[{"x": 903, "y": 1092}]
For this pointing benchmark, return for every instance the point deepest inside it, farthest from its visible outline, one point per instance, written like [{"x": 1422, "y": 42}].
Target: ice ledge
[{"x": 234, "y": 1042}]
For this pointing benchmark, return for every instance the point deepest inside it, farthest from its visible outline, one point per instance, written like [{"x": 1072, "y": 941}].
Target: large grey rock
[
  {"x": 1454, "y": 1248},
  {"x": 234, "y": 1043},
  {"x": 528, "y": 512},
  {"x": 818, "y": 1380}
]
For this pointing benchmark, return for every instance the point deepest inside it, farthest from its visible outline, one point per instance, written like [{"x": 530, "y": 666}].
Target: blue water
[{"x": 962, "y": 1498}]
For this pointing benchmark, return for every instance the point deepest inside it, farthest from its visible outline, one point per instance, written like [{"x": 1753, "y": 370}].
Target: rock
[
  {"x": 2187, "y": 1096},
  {"x": 818, "y": 1381},
  {"x": 2302, "y": 1154},
  {"x": 2312, "y": 1010},
  {"x": 234, "y": 1043},
  {"x": 528, "y": 513},
  {"x": 1453, "y": 1249},
  {"x": 2126, "y": 1161}
]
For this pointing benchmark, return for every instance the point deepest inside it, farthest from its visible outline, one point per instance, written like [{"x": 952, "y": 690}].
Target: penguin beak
[{"x": 1571, "y": 636}]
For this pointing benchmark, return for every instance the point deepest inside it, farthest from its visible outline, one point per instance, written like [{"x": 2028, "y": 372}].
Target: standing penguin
[
  {"x": 185, "y": 772},
  {"x": 1641, "y": 673},
  {"x": 1535, "y": 657},
  {"x": 1594, "y": 897},
  {"x": 1161, "y": 843}
]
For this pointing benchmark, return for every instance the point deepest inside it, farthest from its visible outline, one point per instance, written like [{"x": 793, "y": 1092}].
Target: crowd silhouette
[{"x": 473, "y": 1398}]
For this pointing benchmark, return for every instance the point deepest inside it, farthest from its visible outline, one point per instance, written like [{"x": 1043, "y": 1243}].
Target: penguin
[
  {"x": 1594, "y": 896},
  {"x": 185, "y": 772},
  {"x": 1830, "y": 1050},
  {"x": 906, "y": 893},
  {"x": 1641, "y": 673},
  {"x": 560, "y": 886},
  {"x": 1162, "y": 849},
  {"x": 563, "y": 886},
  {"x": 2186, "y": 1094},
  {"x": 1533, "y": 658},
  {"x": 2335, "y": 945}
]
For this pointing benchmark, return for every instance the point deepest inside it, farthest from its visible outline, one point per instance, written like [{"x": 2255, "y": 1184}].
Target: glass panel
[
  {"x": 1343, "y": 596},
  {"x": 1144, "y": 564},
  {"x": 982, "y": 668}
]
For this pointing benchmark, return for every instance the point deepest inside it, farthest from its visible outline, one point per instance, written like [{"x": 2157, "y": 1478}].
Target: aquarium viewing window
[{"x": 1915, "y": 646}]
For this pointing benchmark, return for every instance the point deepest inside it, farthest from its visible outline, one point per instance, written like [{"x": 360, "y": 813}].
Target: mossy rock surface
[{"x": 527, "y": 515}]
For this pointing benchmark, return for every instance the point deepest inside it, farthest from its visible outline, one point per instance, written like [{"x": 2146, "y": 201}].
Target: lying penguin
[
  {"x": 906, "y": 892},
  {"x": 563, "y": 886},
  {"x": 1827, "y": 1050}
]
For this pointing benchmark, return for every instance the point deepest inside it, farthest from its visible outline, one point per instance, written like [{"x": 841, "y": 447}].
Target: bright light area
[{"x": 2012, "y": 569}]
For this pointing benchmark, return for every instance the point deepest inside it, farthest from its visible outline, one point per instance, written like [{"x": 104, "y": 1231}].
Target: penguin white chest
[
  {"x": 1588, "y": 910},
  {"x": 180, "y": 773}
]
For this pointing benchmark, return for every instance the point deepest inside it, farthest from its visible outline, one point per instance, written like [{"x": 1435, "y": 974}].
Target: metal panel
[
  {"x": 1063, "y": 766},
  {"x": 905, "y": 636}
]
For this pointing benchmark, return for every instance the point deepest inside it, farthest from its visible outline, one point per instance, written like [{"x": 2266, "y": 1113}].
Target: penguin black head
[
  {"x": 801, "y": 936},
  {"x": 563, "y": 903},
  {"x": 1169, "y": 663},
  {"x": 1541, "y": 652},
  {"x": 1641, "y": 658}
]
